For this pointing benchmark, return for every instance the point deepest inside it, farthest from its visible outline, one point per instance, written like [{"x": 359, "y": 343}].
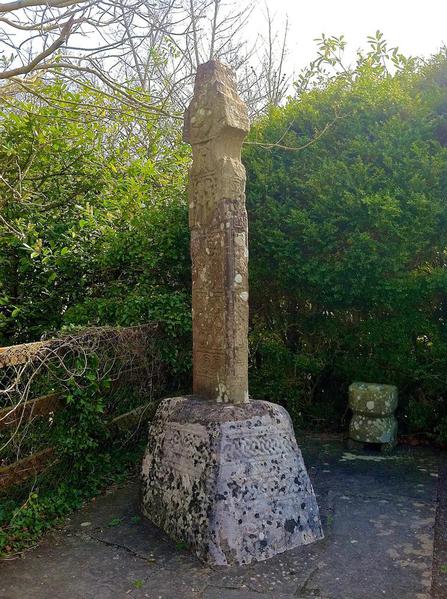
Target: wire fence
[{"x": 109, "y": 373}]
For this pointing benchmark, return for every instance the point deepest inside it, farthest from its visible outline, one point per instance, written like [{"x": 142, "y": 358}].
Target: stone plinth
[
  {"x": 228, "y": 480},
  {"x": 373, "y": 409}
]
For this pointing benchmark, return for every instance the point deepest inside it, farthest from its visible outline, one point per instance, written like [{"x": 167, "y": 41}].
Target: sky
[{"x": 417, "y": 27}]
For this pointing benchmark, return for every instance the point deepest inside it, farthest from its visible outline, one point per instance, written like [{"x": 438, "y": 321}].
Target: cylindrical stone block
[{"x": 373, "y": 409}]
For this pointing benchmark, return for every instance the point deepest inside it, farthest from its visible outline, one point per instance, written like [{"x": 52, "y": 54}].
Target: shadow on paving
[{"x": 378, "y": 515}]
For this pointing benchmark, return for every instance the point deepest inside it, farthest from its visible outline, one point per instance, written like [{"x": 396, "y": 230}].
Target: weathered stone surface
[
  {"x": 229, "y": 481},
  {"x": 216, "y": 123},
  {"x": 222, "y": 474},
  {"x": 373, "y": 409}
]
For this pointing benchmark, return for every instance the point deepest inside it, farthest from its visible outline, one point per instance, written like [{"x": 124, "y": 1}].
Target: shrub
[{"x": 348, "y": 242}]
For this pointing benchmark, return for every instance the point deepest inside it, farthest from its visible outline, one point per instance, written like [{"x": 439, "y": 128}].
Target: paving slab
[{"x": 378, "y": 512}]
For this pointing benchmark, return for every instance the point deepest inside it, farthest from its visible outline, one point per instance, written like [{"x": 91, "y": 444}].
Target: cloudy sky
[{"x": 417, "y": 27}]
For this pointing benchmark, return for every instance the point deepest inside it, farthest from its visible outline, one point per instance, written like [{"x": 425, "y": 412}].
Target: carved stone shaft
[{"x": 216, "y": 123}]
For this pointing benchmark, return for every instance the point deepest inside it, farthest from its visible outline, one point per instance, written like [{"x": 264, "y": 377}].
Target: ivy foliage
[{"x": 28, "y": 513}]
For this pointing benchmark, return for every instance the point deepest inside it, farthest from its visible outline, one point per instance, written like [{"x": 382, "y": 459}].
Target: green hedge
[
  {"x": 348, "y": 237},
  {"x": 348, "y": 242}
]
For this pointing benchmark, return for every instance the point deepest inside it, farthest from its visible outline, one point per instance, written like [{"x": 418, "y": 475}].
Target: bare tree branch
[
  {"x": 66, "y": 29},
  {"x": 21, "y": 4},
  {"x": 144, "y": 53}
]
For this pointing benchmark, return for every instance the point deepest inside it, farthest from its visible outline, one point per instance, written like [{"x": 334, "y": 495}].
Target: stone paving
[{"x": 378, "y": 515}]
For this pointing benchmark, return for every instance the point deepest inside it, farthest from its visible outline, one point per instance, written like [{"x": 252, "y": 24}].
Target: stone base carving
[{"x": 228, "y": 480}]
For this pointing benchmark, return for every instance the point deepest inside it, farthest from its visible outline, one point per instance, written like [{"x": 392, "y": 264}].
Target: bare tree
[
  {"x": 265, "y": 81},
  {"x": 180, "y": 36},
  {"x": 82, "y": 41},
  {"x": 143, "y": 53},
  {"x": 200, "y": 31}
]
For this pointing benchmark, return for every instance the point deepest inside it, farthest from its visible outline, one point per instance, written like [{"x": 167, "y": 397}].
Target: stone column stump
[{"x": 373, "y": 419}]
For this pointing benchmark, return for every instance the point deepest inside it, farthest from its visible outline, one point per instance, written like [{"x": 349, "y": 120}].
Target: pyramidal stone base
[{"x": 228, "y": 480}]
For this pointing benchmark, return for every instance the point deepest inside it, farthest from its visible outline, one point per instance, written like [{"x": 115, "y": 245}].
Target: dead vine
[{"x": 122, "y": 356}]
